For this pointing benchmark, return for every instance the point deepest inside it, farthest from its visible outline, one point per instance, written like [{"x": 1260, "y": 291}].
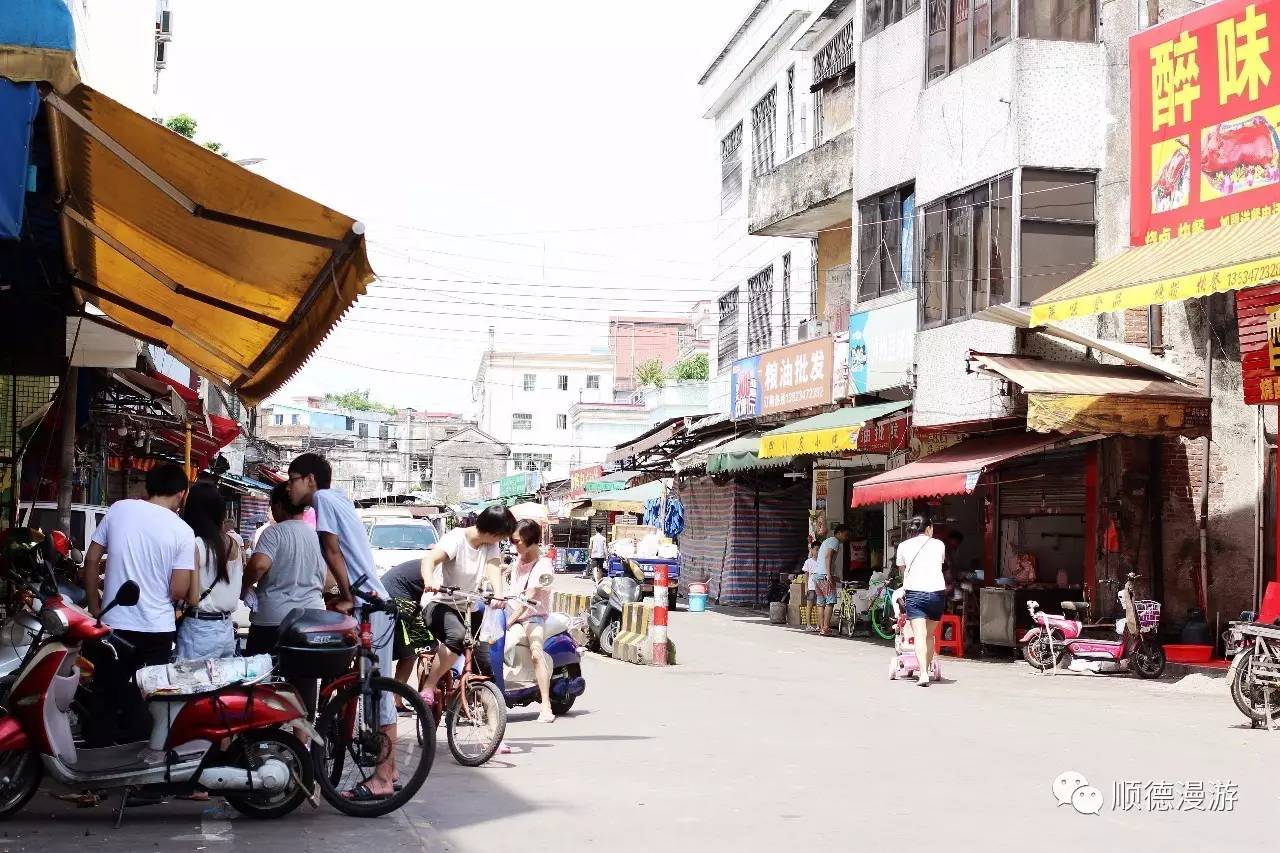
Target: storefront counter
[{"x": 1003, "y": 615}]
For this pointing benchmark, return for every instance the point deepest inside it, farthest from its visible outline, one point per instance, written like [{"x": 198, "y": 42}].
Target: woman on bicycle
[
  {"x": 532, "y": 578},
  {"x": 462, "y": 558},
  {"x": 207, "y": 630}
]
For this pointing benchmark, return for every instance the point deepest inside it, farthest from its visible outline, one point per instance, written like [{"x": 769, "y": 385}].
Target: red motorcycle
[{"x": 233, "y": 739}]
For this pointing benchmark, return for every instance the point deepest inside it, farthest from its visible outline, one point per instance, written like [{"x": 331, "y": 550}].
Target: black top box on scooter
[{"x": 316, "y": 643}]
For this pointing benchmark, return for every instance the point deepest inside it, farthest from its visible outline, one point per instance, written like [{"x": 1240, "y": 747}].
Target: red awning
[
  {"x": 204, "y": 445},
  {"x": 952, "y": 471},
  {"x": 273, "y": 476}
]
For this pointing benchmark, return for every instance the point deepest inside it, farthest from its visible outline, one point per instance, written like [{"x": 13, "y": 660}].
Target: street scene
[{"x": 727, "y": 426}]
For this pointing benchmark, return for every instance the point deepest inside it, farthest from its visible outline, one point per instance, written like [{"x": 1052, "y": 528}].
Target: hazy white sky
[{"x": 562, "y": 139}]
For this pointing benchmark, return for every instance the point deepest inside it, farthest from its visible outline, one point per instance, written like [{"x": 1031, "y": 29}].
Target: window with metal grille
[
  {"x": 593, "y": 382},
  {"x": 759, "y": 307},
  {"x": 817, "y": 118},
  {"x": 531, "y": 461},
  {"x": 521, "y": 421},
  {"x": 786, "y": 299},
  {"x": 727, "y": 329},
  {"x": 764, "y": 118},
  {"x": 731, "y": 168},
  {"x": 562, "y": 421},
  {"x": 791, "y": 111},
  {"x": 562, "y": 382},
  {"x": 813, "y": 278},
  {"x": 530, "y": 382}
]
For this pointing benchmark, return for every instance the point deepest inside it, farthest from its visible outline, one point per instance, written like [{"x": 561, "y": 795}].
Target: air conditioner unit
[{"x": 812, "y": 328}]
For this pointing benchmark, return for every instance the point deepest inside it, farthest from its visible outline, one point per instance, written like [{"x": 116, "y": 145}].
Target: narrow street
[{"x": 765, "y": 738}]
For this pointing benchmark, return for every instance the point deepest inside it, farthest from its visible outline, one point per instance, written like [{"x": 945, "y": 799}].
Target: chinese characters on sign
[
  {"x": 1205, "y": 111},
  {"x": 1258, "y": 323},
  {"x": 1188, "y": 796},
  {"x": 781, "y": 380},
  {"x": 578, "y": 479},
  {"x": 889, "y": 436}
]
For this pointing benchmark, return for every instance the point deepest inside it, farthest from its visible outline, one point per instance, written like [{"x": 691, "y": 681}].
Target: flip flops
[{"x": 361, "y": 794}]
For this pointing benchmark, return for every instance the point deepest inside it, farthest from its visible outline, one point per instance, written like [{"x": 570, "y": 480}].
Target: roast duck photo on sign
[{"x": 1241, "y": 155}]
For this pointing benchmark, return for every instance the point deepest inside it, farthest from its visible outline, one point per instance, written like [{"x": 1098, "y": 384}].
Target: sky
[{"x": 530, "y": 167}]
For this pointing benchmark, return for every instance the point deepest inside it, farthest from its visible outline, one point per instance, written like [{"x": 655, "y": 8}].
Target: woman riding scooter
[{"x": 531, "y": 578}]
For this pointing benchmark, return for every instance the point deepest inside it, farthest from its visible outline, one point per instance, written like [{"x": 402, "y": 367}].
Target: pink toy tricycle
[{"x": 905, "y": 663}]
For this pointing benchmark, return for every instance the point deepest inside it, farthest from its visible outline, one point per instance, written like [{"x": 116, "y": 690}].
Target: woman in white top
[
  {"x": 531, "y": 579},
  {"x": 921, "y": 558},
  {"x": 207, "y": 629}
]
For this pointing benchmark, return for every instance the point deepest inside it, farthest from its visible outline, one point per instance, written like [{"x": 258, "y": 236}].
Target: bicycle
[
  {"x": 846, "y": 614},
  {"x": 1254, "y": 676},
  {"x": 472, "y": 707},
  {"x": 353, "y": 744}
]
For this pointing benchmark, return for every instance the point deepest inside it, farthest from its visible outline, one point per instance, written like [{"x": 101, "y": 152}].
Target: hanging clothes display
[
  {"x": 673, "y": 521},
  {"x": 653, "y": 512}
]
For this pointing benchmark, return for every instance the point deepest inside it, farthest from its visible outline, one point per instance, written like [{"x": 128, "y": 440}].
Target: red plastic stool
[{"x": 955, "y": 645}]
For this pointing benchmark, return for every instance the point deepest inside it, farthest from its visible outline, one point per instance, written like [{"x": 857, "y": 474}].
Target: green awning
[
  {"x": 628, "y": 500},
  {"x": 742, "y": 454},
  {"x": 829, "y": 432}
]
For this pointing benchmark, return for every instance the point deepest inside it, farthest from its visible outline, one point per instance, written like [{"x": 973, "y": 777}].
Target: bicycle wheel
[
  {"x": 1245, "y": 690},
  {"x": 882, "y": 619},
  {"x": 353, "y": 750},
  {"x": 476, "y": 731}
]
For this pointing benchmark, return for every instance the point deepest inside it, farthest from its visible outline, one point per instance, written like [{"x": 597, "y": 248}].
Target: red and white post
[{"x": 658, "y": 627}]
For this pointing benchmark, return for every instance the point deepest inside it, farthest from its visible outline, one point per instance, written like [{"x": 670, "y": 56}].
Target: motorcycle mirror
[{"x": 127, "y": 595}]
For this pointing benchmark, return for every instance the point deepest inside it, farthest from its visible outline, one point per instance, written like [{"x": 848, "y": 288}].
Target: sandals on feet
[{"x": 361, "y": 794}]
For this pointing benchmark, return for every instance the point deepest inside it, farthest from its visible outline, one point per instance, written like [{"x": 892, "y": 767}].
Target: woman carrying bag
[
  {"x": 207, "y": 629},
  {"x": 921, "y": 558}
]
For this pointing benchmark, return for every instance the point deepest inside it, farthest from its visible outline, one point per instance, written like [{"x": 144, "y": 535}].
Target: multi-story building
[
  {"x": 524, "y": 401},
  {"x": 122, "y": 46},
  {"x": 636, "y": 340}
]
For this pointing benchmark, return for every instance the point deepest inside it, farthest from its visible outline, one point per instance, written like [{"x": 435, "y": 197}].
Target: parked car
[
  {"x": 399, "y": 538},
  {"x": 85, "y": 519}
]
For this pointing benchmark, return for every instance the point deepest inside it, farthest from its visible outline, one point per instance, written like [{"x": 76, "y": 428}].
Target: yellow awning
[
  {"x": 1233, "y": 257},
  {"x": 237, "y": 276}
]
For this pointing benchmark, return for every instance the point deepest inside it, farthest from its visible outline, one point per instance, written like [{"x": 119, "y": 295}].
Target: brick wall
[{"x": 1135, "y": 329}]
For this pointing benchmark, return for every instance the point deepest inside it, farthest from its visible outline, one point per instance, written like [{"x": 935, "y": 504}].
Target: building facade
[
  {"x": 636, "y": 340},
  {"x": 466, "y": 465}
]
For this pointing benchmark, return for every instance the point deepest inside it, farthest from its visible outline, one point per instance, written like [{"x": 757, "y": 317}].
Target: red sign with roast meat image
[
  {"x": 1172, "y": 186},
  {"x": 1239, "y": 155}
]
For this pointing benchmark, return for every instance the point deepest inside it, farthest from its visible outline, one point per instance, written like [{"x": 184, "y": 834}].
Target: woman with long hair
[{"x": 207, "y": 629}]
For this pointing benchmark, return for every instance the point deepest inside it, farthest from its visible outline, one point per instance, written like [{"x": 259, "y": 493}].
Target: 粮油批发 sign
[{"x": 782, "y": 380}]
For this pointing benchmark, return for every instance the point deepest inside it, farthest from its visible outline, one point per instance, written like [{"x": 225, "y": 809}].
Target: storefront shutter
[{"x": 1051, "y": 485}]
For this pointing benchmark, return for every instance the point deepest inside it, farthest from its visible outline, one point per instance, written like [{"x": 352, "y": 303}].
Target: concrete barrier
[
  {"x": 570, "y": 603},
  {"x": 632, "y": 643}
]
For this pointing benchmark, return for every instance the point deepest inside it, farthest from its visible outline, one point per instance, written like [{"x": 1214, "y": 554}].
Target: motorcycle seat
[{"x": 1075, "y": 606}]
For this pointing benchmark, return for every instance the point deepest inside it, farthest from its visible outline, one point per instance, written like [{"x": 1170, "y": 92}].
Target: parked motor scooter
[
  {"x": 1138, "y": 650},
  {"x": 604, "y": 616},
  {"x": 1060, "y": 627},
  {"x": 28, "y": 556},
  {"x": 231, "y": 739},
  {"x": 512, "y": 666}
]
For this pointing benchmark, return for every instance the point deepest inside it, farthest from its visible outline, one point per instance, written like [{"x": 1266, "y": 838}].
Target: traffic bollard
[{"x": 658, "y": 627}]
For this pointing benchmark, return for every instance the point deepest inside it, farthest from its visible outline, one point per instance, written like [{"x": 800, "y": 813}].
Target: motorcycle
[
  {"x": 28, "y": 556},
  {"x": 1138, "y": 650},
  {"x": 231, "y": 739},
  {"x": 512, "y": 666},
  {"x": 604, "y": 616},
  {"x": 1059, "y": 627}
]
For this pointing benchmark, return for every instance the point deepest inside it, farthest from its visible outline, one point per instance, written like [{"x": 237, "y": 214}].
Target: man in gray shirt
[{"x": 287, "y": 567}]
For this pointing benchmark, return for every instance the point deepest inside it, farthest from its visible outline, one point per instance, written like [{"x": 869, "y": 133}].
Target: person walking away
[
  {"x": 599, "y": 553},
  {"x": 344, "y": 543},
  {"x": 207, "y": 630},
  {"x": 286, "y": 571},
  {"x": 921, "y": 558},
  {"x": 148, "y": 544},
  {"x": 462, "y": 558},
  {"x": 824, "y": 586},
  {"x": 532, "y": 578}
]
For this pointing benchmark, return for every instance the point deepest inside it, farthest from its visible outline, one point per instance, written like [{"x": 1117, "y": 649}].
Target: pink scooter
[
  {"x": 1138, "y": 649},
  {"x": 1059, "y": 628}
]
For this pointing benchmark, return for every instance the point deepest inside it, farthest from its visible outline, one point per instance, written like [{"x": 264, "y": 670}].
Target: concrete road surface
[{"x": 769, "y": 739}]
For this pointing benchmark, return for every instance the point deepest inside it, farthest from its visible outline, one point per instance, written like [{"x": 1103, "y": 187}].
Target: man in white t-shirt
[
  {"x": 148, "y": 543},
  {"x": 463, "y": 558},
  {"x": 599, "y": 552}
]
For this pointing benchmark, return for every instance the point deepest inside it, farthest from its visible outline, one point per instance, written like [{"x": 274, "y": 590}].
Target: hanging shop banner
[
  {"x": 782, "y": 380},
  {"x": 1258, "y": 321},
  {"x": 524, "y": 483},
  {"x": 887, "y": 435},
  {"x": 882, "y": 347},
  {"x": 578, "y": 479},
  {"x": 1116, "y": 414},
  {"x": 1205, "y": 107}
]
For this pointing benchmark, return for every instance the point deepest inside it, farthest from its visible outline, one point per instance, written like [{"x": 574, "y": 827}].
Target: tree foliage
[
  {"x": 695, "y": 368},
  {"x": 184, "y": 124},
  {"x": 358, "y": 401},
  {"x": 651, "y": 374}
]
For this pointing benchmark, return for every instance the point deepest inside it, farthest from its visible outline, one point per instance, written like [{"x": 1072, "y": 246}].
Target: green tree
[
  {"x": 358, "y": 401},
  {"x": 651, "y": 374},
  {"x": 183, "y": 125},
  {"x": 695, "y": 368}
]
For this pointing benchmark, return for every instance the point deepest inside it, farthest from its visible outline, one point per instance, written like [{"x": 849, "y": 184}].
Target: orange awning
[{"x": 238, "y": 277}]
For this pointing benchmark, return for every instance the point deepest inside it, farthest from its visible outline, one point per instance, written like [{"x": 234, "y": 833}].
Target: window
[
  {"x": 470, "y": 478},
  {"x": 786, "y": 299},
  {"x": 833, "y": 78},
  {"x": 388, "y": 486},
  {"x": 562, "y": 421},
  {"x": 790, "y": 120},
  {"x": 813, "y": 278},
  {"x": 277, "y": 420},
  {"x": 966, "y": 244},
  {"x": 764, "y": 117},
  {"x": 363, "y": 431},
  {"x": 1057, "y": 229},
  {"x": 885, "y": 243},
  {"x": 521, "y": 421},
  {"x": 593, "y": 382},
  {"x": 531, "y": 461},
  {"x": 727, "y": 329},
  {"x": 731, "y": 168},
  {"x": 294, "y": 420},
  {"x": 759, "y": 309},
  {"x": 530, "y": 382},
  {"x": 562, "y": 382},
  {"x": 1058, "y": 20},
  {"x": 960, "y": 31},
  {"x": 409, "y": 537},
  {"x": 882, "y": 13},
  {"x": 383, "y": 431},
  {"x": 357, "y": 483}
]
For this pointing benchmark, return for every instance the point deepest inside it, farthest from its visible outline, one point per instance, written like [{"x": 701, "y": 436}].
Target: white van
[{"x": 85, "y": 519}]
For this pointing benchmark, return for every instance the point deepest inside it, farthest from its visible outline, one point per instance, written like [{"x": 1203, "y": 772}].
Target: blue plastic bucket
[{"x": 697, "y": 602}]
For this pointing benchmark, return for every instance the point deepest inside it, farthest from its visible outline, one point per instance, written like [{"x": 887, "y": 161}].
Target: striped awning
[
  {"x": 742, "y": 454},
  {"x": 1233, "y": 257}
]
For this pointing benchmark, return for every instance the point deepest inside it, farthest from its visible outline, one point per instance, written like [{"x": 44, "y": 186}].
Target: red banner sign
[
  {"x": 578, "y": 479},
  {"x": 888, "y": 435},
  {"x": 1205, "y": 107},
  {"x": 1258, "y": 318}
]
